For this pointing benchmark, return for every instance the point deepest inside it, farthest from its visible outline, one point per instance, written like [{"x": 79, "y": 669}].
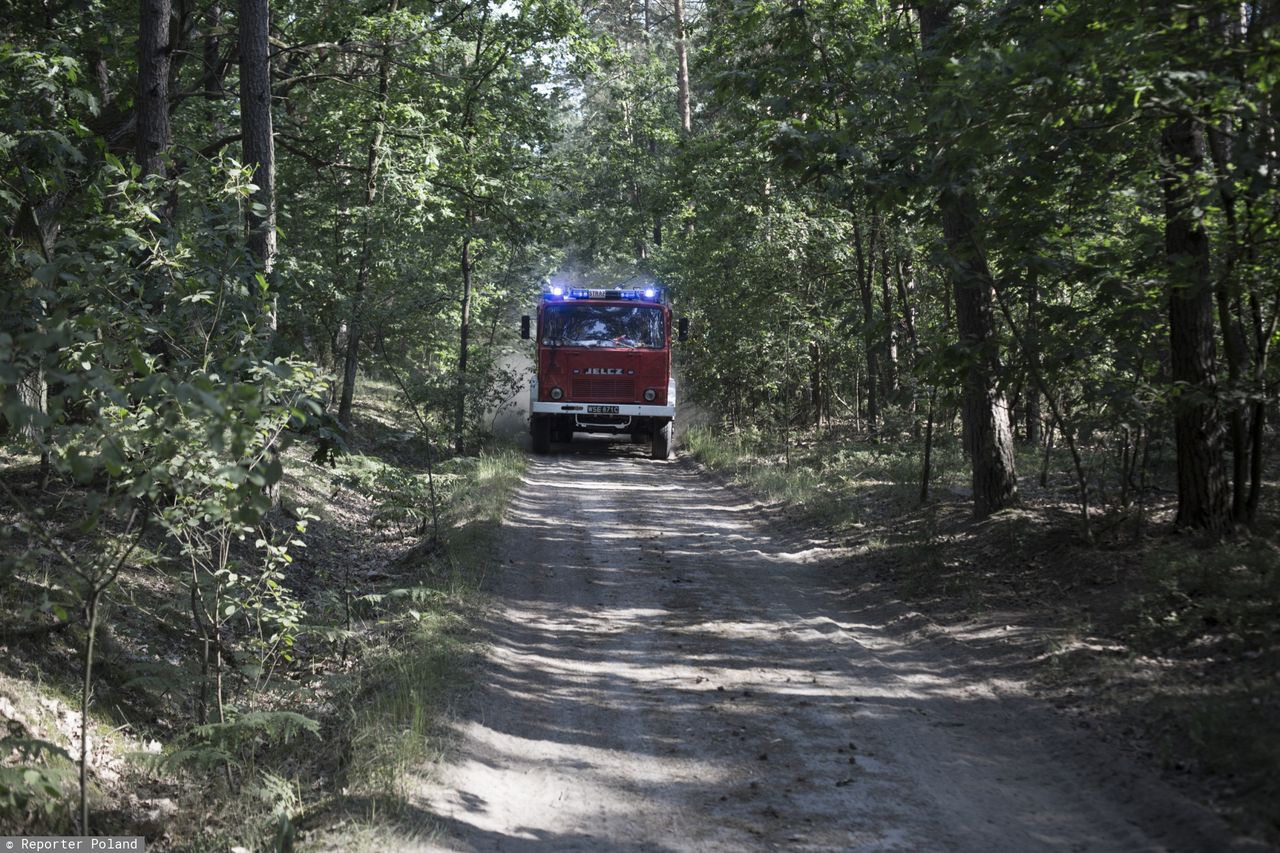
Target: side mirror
[
  {"x": 524, "y": 327},
  {"x": 684, "y": 329}
]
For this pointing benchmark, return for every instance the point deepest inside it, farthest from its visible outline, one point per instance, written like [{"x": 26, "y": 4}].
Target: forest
[{"x": 250, "y": 243}]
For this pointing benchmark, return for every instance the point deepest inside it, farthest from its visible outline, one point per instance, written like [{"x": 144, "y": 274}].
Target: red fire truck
[{"x": 604, "y": 366}]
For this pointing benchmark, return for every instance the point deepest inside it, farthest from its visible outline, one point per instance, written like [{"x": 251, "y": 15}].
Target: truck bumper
[
  {"x": 625, "y": 409},
  {"x": 635, "y": 410}
]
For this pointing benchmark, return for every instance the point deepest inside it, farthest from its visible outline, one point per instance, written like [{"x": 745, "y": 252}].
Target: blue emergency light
[{"x": 555, "y": 291}]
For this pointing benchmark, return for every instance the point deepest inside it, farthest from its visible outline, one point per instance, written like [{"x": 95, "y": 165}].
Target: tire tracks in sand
[{"x": 670, "y": 670}]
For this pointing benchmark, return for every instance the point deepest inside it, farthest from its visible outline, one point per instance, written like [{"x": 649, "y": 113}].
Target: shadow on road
[{"x": 673, "y": 670}]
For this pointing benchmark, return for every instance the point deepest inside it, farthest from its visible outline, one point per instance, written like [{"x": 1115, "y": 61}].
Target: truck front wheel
[
  {"x": 663, "y": 441},
  {"x": 541, "y": 431}
]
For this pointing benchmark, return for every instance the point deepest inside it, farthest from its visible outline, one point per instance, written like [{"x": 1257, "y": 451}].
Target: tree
[
  {"x": 1202, "y": 479},
  {"x": 257, "y": 136},
  {"x": 373, "y": 161},
  {"x": 153, "y": 136},
  {"x": 985, "y": 413}
]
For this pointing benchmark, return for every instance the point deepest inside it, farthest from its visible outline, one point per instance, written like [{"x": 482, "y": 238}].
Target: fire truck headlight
[
  {"x": 556, "y": 393},
  {"x": 650, "y": 394}
]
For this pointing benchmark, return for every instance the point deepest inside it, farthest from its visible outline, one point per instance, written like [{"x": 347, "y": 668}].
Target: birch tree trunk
[{"x": 1033, "y": 358}]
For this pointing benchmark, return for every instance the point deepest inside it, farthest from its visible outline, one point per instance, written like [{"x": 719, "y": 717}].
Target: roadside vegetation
[{"x": 336, "y": 661}]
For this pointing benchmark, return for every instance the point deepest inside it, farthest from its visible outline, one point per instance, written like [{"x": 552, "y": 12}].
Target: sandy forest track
[{"x": 671, "y": 671}]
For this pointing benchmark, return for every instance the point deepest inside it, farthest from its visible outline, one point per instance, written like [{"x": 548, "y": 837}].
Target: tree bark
[
  {"x": 815, "y": 382},
  {"x": 682, "y": 72},
  {"x": 211, "y": 59},
  {"x": 464, "y": 333},
  {"x": 870, "y": 347},
  {"x": 1202, "y": 479},
  {"x": 153, "y": 133},
  {"x": 892, "y": 385},
  {"x": 1033, "y": 358},
  {"x": 257, "y": 139},
  {"x": 985, "y": 415},
  {"x": 906, "y": 287}
]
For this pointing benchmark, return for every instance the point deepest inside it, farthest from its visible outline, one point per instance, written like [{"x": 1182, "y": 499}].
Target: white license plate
[{"x": 602, "y": 410}]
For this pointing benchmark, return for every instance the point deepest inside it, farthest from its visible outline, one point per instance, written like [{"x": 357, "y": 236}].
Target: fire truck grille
[{"x": 607, "y": 388}]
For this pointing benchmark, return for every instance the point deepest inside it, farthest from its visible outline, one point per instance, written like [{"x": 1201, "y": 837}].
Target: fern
[{"x": 269, "y": 727}]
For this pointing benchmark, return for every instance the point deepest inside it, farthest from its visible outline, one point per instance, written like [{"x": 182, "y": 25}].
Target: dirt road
[{"x": 671, "y": 670}]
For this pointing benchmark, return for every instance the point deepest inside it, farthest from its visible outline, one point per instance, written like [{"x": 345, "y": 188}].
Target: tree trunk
[
  {"x": 351, "y": 360},
  {"x": 33, "y": 393},
  {"x": 1033, "y": 358},
  {"x": 657, "y": 218},
  {"x": 257, "y": 138},
  {"x": 985, "y": 416},
  {"x": 926, "y": 470},
  {"x": 870, "y": 347},
  {"x": 1202, "y": 479},
  {"x": 815, "y": 382},
  {"x": 211, "y": 61},
  {"x": 906, "y": 287},
  {"x": 153, "y": 133},
  {"x": 464, "y": 332},
  {"x": 682, "y": 72},
  {"x": 892, "y": 385},
  {"x": 1263, "y": 335},
  {"x": 1231, "y": 321}
]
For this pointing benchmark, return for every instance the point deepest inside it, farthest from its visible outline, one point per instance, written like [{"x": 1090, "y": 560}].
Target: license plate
[{"x": 602, "y": 410}]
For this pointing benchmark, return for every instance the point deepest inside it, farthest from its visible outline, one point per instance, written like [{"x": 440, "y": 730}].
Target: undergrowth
[
  {"x": 835, "y": 480},
  {"x": 325, "y": 728}
]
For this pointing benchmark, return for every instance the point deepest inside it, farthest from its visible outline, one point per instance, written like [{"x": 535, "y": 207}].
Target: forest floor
[
  {"x": 676, "y": 664},
  {"x": 385, "y": 644}
]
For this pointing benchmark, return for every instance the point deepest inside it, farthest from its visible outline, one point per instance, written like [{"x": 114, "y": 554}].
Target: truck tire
[
  {"x": 541, "y": 431},
  {"x": 663, "y": 441}
]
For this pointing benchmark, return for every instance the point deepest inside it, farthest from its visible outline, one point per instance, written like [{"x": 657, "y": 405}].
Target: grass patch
[
  {"x": 420, "y": 660},
  {"x": 833, "y": 480}
]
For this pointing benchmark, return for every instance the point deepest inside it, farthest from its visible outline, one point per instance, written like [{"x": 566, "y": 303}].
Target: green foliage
[
  {"x": 403, "y": 497},
  {"x": 235, "y": 743},
  {"x": 36, "y": 777},
  {"x": 427, "y": 644}
]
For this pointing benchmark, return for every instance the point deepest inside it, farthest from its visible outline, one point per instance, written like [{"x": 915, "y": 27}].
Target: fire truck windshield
[{"x": 583, "y": 324}]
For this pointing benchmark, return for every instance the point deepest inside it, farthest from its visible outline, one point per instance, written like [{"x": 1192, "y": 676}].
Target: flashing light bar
[{"x": 649, "y": 294}]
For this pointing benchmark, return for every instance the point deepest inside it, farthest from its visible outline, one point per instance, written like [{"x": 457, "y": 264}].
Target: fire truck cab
[{"x": 603, "y": 366}]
